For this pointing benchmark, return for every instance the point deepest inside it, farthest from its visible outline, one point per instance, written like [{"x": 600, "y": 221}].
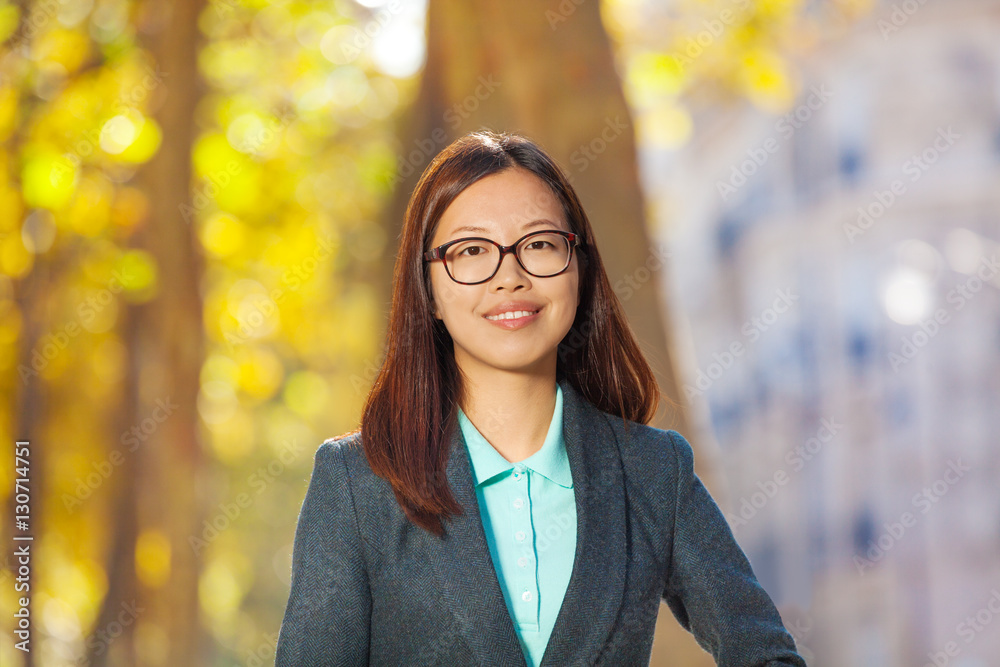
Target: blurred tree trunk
[
  {"x": 33, "y": 296},
  {"x": 30, "y": 414},
  {"x": 122, "y": 590},
  {"x": 547, "y": 71},
  {"x": 165, "y": 340}
]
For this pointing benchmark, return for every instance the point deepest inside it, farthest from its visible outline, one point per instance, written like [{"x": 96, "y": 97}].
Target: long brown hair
[{"x": 407, "y": 423}]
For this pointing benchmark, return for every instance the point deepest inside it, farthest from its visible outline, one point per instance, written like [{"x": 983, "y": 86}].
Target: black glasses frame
[{"x": 438, "y": 253}]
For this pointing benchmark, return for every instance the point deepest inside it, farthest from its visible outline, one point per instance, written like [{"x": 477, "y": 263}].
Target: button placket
[{"x": 519, "y": 497}]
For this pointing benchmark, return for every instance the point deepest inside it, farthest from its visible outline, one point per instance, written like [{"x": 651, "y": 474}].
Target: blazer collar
[{"x": 469, "y": 583}]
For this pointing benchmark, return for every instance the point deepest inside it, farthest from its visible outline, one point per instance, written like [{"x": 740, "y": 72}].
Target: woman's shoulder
[
  {"x": 638, "y": 439},
  {"x": 348, "y": 451},
  {"x": 346, "y": 441},
  {"x": 347, "y": 447},
  {"x": 652, "y": 457}
]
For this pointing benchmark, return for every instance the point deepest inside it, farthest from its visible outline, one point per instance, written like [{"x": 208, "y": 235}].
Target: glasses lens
[
  {"x": 542, "y": 254},
  {"x": 472, "y": 261}
]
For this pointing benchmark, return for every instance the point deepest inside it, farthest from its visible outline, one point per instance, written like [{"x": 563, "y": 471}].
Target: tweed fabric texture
[{"x": 369, "y": 587}]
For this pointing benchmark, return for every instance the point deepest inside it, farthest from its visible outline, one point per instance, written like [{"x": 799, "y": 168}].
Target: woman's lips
[{"x": 514, "y": 322}]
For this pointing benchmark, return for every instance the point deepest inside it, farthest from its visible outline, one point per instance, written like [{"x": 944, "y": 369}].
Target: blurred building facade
[{"x": 836, "y": 277}]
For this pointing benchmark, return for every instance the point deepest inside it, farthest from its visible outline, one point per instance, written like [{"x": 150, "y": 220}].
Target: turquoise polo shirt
[{"x": 529, "y": 516}]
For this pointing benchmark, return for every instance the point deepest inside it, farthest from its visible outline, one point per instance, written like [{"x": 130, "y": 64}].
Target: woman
[{"x": 504, "y": 501}]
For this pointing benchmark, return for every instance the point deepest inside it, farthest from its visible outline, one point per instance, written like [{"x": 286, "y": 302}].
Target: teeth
[{"x": 511, "y": 315}]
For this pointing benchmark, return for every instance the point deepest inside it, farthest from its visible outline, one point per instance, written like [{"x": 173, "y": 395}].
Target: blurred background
[{"x": 797, "y": 203}]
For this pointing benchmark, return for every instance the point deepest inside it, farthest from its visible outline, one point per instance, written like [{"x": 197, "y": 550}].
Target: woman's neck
[{"x": 512, "y": 411}]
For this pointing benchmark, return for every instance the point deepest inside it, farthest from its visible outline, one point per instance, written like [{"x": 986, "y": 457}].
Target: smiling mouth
[{"x": 512, "y": 315}]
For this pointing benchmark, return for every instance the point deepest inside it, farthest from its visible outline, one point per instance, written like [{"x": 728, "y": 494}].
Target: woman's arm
[
  {"x": 710, "y": 586},
  {"x": 328, "y": 613}
]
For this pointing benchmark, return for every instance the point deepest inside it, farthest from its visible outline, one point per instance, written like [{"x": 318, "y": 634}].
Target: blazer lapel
[
  {"x": 464, "y": 568},
  {"x": 596, "y": 587}
]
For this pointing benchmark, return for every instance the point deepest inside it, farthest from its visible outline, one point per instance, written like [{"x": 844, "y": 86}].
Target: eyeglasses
[{"x": 474, "y": 260}]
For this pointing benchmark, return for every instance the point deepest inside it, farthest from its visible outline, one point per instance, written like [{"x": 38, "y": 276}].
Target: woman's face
[{"x": 504, "y": 207}]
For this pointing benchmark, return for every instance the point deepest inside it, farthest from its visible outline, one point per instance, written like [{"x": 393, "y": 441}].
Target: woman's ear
[{"x": 430, "y": 298}]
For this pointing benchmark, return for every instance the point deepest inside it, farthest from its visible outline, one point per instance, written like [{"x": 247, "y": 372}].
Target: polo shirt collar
[{"x": 550, "y": 461}]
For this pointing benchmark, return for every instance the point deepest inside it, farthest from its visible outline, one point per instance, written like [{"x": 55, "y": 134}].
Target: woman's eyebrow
[{"x": 533, "y": 223}]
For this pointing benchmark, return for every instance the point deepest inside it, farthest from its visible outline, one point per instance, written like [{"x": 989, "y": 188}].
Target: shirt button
[
  {"x": 518, "y": 503},
  {"x": 522, "y": 561},
  {"x": 519, "y": 535},
  {"x": 526, "y": 596}
]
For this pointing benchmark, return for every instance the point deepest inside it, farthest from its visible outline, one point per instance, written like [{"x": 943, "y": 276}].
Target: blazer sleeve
[
  {"x": 710, "y": 586},
  {"x": 328, "y": 613}
]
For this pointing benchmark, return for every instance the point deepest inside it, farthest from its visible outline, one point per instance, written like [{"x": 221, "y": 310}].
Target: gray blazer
[{"x": 369, "y": 587}]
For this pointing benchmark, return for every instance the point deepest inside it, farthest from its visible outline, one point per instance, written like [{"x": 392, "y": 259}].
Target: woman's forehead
[{"x": 496, "y": 204}]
